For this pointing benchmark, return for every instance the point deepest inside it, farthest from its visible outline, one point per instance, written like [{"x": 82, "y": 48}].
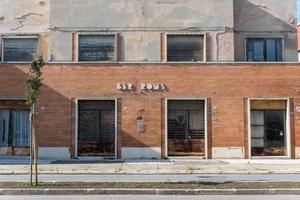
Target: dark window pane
[
  {"x": 271, "y": 50},
  {"x": 185, "y": 48},
  {"x": 4, "y": 127},
  {"x": 275, "y": 128},
  {"x": 20, "y": 128},
  {"x": 250, "y": 50},
  {"x": 258, "y": 50},
  {"x": 19, "y": 49},
  {"x": 96, "y": 48},
  {"x": 279, "y": 49}
]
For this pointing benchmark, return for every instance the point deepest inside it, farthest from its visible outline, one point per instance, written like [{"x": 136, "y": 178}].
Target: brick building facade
[{"x": 159, "y": 79}]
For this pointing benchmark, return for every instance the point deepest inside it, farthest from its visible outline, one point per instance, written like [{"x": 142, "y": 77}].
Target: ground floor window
[
  {"x": 268, "y": 128},
  {"x": 96, "y": 128},
  {"x": 186, "y": 128},
  {"x": 14, "y": 128}
]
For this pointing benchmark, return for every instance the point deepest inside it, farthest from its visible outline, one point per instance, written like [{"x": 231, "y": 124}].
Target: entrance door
[
  {"x": 268, "y": 130},
  {"x": 96, "y": 128},
  {"x": 186, "y": 128}
]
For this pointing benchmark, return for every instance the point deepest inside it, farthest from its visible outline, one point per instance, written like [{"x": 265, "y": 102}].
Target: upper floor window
[
  {"x": 185, "y": 48},
  {"x": 264, "y": 49},
  {"x": 19, "y": 49},
  {"x": 97, "y": 48}
]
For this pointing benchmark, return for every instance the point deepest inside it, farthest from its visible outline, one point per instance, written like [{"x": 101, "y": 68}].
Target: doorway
[
  {"x": 96, "y": 128},
  {"x": 186, "y": 127},
  {"x": 268, "y": 120}
]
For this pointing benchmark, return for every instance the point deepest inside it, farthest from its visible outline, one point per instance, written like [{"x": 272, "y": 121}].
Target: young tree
[{"x": 33, "y": 85}]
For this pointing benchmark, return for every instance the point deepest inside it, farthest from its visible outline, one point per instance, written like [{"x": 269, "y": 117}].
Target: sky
[{"x": 298, "y": 11}]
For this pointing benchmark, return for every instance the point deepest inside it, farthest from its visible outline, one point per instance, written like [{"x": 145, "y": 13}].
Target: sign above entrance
[
  {"x": 152, "y": 86},
  {"x": 125, "y": 86},
  {"x": 144, "y": 87}
]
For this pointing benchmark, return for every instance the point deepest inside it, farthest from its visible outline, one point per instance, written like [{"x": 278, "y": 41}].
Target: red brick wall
[
  {"x": 298, "y": 30},
  {"x": 227, "y": 85}
]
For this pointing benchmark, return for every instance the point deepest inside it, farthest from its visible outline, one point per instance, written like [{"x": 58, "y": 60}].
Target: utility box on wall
[{"x": 141, "y": 124}]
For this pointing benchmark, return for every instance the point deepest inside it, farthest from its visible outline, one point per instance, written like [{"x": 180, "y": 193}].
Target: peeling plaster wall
[
  {"x": 140, "y": 23},
  {"x": 25, "y": 17},
  {"x": 227, "y": 24},
  {"x": 225, "y": 48},
  {"x": 266, "y": 18}
]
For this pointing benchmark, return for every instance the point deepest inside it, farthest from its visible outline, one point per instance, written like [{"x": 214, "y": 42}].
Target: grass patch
[
  {"x": 192, "y": 169},
  {"x": 39, "y": 186}
]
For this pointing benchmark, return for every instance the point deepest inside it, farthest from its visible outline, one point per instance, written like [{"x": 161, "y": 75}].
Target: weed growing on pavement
[{"x": 40, "y": 185}]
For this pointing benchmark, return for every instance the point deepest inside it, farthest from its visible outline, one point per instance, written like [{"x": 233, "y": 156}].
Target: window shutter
[
  {"x": 188, "y": 48},
  {"x": 97, "y": 48},
  {"x": 19, "y": 49}
]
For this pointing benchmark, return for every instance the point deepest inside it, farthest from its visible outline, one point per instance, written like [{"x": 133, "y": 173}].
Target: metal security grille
[
  {"x": 96, "y": 135},
  {"x": 96, "y": 48},
  {"x": 186, "y": 128},
  {"x": 19, "y": 49},
  {"x": 188, "y": 48}
]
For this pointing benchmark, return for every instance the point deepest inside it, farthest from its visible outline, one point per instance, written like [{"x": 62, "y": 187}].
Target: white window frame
[
  {"x": 186, "y": 33},
  {"x": 205, "y": 122},
  {"x": 77, "y": 128},
  {"x": 288, "y": 128},
  {"x": 264, "y": 36},
  {"x": 115, "y": 34},
  {"x": 3, "y": 37}
]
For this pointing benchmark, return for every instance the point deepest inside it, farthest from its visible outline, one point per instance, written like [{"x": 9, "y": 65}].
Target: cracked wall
[
  {"x": 26, "y": 17},
  {"x": 140, "y": 23},
  {"x": 226, "y": 23}
]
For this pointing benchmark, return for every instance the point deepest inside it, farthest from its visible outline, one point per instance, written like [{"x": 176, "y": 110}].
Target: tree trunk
[
  {"x": 31, "y": 144},
  {"x": 35, "y": 147}
]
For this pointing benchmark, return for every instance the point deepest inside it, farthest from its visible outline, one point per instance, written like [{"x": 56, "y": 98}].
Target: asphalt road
[
  {"x": 128, "y": 197},
  {"x": 219, "y": 178}
]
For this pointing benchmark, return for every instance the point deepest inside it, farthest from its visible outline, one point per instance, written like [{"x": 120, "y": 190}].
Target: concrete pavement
[
  {"x": 149, "y": 197},
  {"x": 147, "y": 191},
  {"x": 216, "y": 178},
  {"x": 170, "y": 166}
]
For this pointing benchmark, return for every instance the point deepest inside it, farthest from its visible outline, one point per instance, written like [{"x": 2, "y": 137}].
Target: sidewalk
[
  {"x": 19, "y": 165},
  {"x": 156, "y": 178}
]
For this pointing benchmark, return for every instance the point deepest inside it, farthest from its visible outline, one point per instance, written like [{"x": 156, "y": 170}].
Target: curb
[
  {"x": 124, "y": 191},
  {"x": 152, "y": 173}
]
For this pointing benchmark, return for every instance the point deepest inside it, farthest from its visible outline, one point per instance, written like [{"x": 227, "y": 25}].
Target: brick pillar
[
  {"x": 209, "y": 129},
  {"x": 246, "y": 142},
  {"x": 292, "y": 128},
  {"x": 163, "y": 128},
  {"x": 119, "y": 48},
  {"x": 74, "y": 47},
  {"x": 163, "y": 47},
  {"x": 119, "y": 128}
]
